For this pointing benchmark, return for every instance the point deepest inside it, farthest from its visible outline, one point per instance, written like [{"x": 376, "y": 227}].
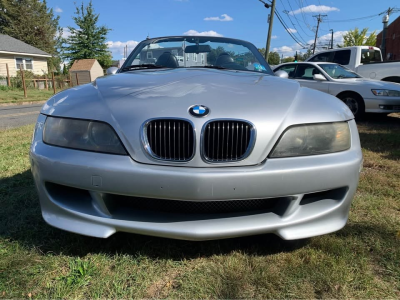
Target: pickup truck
[{"x": 364, "y": 60}]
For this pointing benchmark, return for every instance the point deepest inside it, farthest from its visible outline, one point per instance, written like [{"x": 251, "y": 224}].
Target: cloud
[
  {"x": 58, "y": 10},
  {"x": 117, "y": 47},
  {"x": 292, "y": 30},
  {"x": 326, "y": 39},
  {"x": 225, "y": 18},
  {"x": 322, "y": 43},
  {"x": 66, "y": 32},
  {"x": 314, "y": 9},
  {"x": 203, "y": 33},
  {"x": 274, "y": 37},
  {"x": 283, "y": 49}
]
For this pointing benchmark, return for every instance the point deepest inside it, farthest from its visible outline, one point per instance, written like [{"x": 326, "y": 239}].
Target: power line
[
  {"x": 288, "y": 14},
  {"x": 287, "y": 29},
  {"x": 361, "y": 18}
]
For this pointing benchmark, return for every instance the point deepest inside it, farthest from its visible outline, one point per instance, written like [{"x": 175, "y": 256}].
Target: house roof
[
  {"x": 9, "y": 44},
  {"x": 82, "y": 65}
]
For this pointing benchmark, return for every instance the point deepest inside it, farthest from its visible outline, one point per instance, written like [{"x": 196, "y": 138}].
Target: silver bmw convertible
[{"x": 195, "y": 138}]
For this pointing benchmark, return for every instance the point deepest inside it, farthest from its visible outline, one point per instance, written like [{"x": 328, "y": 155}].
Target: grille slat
[
  {"x": 227, "y": 140},
  {"x": 170, "y": 139}
]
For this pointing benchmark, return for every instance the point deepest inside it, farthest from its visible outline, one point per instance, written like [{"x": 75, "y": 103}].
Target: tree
[
  {"x": 32, "y": 22},
  {"x": 65, "y": 70},
  {"x": 288, "y": 59},
  {"x": 305, "y": 56},
  {"x": 359, "y": 38},
  {"x": 88, "y": 40},
  {"x": 273, "y": 58}
]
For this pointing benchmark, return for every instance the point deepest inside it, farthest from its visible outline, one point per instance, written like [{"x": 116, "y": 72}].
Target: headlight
[
  {"x": 388, "y": 93},
  {"x": 82, "y": 135},
  {"x": 314, "y": 139}
]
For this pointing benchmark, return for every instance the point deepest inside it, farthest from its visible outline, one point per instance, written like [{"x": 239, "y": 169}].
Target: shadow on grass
[
  {"x": 382, "y": 136},
  {"x": 21, "y": 221}
]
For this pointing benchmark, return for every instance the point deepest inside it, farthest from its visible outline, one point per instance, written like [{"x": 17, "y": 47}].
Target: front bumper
[
  {"x": 73, "y": 186},
  {"x": 382, "y": 105}
]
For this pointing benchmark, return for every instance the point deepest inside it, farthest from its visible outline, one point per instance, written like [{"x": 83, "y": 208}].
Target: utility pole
[
  {"x": 331, "y": 30},
  {"x": 319, "y": 19},
  {"x": 385, "y": 21},
  {"x": 271, "y": 22}
]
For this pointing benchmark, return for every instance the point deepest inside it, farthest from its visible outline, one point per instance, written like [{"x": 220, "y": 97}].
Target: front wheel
[{"x": 355, "y": 103}]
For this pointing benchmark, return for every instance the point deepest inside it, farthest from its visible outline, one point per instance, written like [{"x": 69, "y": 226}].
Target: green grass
[
  {"x": 17, "y": 96},
  {"x": 360, "y": 261}
]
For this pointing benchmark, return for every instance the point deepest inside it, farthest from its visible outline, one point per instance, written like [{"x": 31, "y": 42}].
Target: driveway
[{"x": 18, "y": 115}]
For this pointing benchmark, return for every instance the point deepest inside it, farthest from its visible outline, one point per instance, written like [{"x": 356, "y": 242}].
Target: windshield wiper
[{"x": 142, "y": 66}]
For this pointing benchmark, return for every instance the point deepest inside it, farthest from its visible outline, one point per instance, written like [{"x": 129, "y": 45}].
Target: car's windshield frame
[
  {"x": 321, "y": 65},
  {"x": 265, "y": 69}
]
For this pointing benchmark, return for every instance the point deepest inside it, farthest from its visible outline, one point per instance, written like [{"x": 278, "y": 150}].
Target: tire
[{"x": 355, "y": 103}]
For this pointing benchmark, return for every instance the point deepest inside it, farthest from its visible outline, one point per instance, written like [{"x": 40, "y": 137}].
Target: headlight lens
[
  {"x": 82, "y": 135},
  {"x": 314, "y": 139},
  {"x": 388, "y": 93}
]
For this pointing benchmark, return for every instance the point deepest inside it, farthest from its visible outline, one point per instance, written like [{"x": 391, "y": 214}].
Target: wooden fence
[{"x": 46, "y": 83}]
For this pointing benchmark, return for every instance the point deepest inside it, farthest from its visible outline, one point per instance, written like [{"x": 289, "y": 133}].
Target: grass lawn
[
  {"x": 360, "y": 261},
  {"x": 17, "y": 96}
]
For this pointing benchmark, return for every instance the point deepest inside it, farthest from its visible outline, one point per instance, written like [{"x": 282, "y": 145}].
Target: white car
[
  {"x": 365, "y": 60},
  {"x": 360, "y": 94}
]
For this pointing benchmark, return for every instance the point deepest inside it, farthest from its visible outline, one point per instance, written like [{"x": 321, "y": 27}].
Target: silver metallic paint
[{"x": 127, "y": 100}]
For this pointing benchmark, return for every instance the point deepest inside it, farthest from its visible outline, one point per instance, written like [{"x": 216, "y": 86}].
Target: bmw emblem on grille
[{"x": 199, "y": 111}]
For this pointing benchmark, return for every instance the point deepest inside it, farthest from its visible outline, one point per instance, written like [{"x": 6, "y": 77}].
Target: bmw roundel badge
[{"x": 199, "y": 110}]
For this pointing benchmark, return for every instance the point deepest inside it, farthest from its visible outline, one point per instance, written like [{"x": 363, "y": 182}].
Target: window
[
  {"x": 370, "y": 56},
  {"x": 306, "y": 72},
  {"x": 288, "y": 69},
  {"x": 202, "y": 58},
  {"x": 149, "y": 55},
  {"x": 28, "y": 64},
  {"x": 194, "y": 57},
  {"x": 326, "y": 56},
  {"x": 342, "y": 57},
  {"x": 20, "y": 63},
  {"x": 25, "y": 63}
]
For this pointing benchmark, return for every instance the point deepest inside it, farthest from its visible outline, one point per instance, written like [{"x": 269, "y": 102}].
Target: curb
[{"x": 23, "y": 103}]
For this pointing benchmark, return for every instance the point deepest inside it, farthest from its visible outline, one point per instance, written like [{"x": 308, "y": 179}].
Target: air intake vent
[
  {"x": 227, "y": 140},
  {"x": 169, "y": 139}
]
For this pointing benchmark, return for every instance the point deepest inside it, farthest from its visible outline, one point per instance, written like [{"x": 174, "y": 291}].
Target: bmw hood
[{"x": 127, "y": 100}]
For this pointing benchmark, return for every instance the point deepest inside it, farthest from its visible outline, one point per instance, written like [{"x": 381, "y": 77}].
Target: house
[
  {"x": 18, "y": 54},
  {"x": 85, "y": 71},
  {"x": 392, "y": 40},
  {"x": 184, "y": 59}
]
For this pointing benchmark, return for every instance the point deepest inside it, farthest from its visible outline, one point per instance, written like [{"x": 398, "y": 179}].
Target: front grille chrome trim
[
  {"x": 147, "y": 148},
  {"x": 250, "y": 147}
]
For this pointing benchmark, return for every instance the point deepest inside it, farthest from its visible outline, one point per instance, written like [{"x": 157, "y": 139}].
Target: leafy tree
[
  {"x": 273, "y": 58},
  {"x": 212, "y": 56},
  {"x": 305, "y": 56},
  {"x": 88, "y": 40},
  {"x": 65, "y": 70},
  {"x": 359, "y": 38},
  {"x": 32, "y": 22},
  {"x": 288, "y": 59}
]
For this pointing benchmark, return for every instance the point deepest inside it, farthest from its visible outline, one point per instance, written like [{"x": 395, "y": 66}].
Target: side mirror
[
  {"x": 319, "y": 77},
  {"x": 112, "y": 70},
  {"x": 282, "y": 74}
]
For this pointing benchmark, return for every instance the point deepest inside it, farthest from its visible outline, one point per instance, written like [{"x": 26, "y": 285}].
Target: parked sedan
[
  {"x": 216, "y": 148},
  {"x": 360, "y": 94}
]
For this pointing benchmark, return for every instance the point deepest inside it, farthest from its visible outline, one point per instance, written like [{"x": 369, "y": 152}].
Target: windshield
[
  {"x": 338, "y": 72},
  {"x": 197, "y": 52}
]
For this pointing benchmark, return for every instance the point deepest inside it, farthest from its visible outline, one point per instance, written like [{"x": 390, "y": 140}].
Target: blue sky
[{"x": 132, "y": 20}]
